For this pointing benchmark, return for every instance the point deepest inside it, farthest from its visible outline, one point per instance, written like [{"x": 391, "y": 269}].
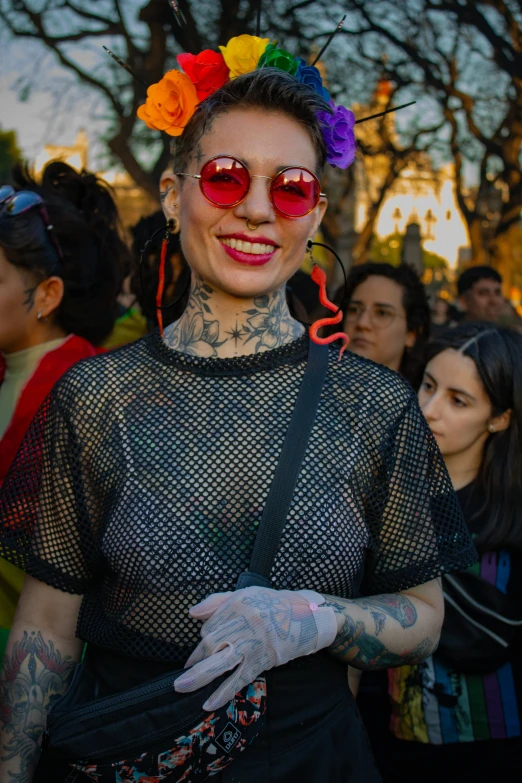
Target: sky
[{"x": 50, "y": 109}]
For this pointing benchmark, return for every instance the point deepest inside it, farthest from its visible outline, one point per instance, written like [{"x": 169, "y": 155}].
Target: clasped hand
[{"x": 253, "y": 630}]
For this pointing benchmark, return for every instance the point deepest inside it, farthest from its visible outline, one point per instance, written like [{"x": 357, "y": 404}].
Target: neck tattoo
[{"x": 262, "y": 324}]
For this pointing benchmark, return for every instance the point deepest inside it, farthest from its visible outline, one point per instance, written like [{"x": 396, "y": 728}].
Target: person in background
[
  {"x": 387, "y": 317},
  {"x": 458, "y": 725},
  {"x": 480, "y": 293},
  {"x": 61, "y": 260},
  {"x": 443, "y": 316}
]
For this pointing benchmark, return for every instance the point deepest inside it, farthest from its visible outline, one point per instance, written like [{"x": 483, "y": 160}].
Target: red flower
[{"x": 207, "y": 70}]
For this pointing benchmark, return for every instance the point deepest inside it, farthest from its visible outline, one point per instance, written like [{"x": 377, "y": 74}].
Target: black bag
[
  {"x": 151, "y": 732},
  {"x": 482, "y": 626}
]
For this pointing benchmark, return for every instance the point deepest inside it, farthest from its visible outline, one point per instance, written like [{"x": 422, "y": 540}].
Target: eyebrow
[
  {"x": 277, "y": 169},
  {"x": 375, "y": 304},
  {"x": 452, "y": 389}
]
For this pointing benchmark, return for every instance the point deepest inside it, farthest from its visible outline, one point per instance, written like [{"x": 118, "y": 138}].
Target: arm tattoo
[
  {"x": 380, "y": 622},
  {"x": 395, "y": 605},
  {"x": 29, "y": 298},
  {"x": 35, "y": 675},
  {"x": 355, "y": 646}
]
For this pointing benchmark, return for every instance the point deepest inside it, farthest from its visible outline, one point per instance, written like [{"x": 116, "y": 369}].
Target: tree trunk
[
  {"x": 503, "y": 257},
  {"x": 479, "y": 253}
]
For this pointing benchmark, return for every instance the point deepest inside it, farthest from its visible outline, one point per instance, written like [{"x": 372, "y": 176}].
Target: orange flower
[{"x": 170, "y": 103}]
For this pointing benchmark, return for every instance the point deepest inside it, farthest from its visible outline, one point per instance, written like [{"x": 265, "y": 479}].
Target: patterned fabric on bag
[{"x": 204, "y": 747}]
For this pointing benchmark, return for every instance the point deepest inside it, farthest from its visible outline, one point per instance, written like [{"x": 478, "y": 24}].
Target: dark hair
[
  {"x": 85, "y": 222},
  {"x": 475, "y": 273},
  {"x": 144, "y": 281},
  {"x": 497, "y": 354},
  {"x": 268, "y": 89},
  {"x": 415, "y": 304}
]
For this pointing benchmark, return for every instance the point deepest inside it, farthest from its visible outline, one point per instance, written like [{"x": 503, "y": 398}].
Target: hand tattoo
[{"x": 34, "y": 676}]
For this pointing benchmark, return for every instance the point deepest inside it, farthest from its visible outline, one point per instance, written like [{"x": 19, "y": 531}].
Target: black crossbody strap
[{"x": 287, "y": 470}]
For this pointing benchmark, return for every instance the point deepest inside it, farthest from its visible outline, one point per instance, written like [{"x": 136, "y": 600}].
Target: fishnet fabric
[{"x": 142, "y": 480}]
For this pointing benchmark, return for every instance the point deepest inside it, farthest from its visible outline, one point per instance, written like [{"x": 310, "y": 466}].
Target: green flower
[{"x": 273, "y": 57}]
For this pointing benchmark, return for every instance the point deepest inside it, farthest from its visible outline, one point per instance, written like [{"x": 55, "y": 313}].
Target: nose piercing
[{"x": 251, "y": 225}]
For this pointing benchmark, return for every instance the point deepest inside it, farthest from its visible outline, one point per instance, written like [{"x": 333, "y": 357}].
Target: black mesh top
[{"x": 142, "y": 480}]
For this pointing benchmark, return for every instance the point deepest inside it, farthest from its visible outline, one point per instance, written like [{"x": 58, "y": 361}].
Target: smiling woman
[{"x": 156, "y": 461}]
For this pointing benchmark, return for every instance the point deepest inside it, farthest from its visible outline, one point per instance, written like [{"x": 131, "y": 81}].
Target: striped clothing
[{"x": 432, "y": 704}]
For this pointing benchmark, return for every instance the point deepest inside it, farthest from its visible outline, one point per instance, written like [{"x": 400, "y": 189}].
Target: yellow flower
[
  {"x": 242, "y": 53},
  {"x": 170, "y": 103}
]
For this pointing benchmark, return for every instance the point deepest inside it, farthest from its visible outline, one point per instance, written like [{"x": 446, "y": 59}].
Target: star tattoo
[{"x": 236, "y": 333}]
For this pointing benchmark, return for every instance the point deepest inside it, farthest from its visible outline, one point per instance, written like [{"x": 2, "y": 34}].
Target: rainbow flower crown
[{"x": 173, "y": 100}]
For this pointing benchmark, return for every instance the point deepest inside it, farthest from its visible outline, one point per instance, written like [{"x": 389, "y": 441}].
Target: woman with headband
[
  {"x": 158, "y": 459},
  {"x": 459, "y": 713},
  {"x": 60, "y": 256}
]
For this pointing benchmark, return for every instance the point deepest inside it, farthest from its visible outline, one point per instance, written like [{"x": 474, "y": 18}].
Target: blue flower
[{"x": 309, "y": 74}]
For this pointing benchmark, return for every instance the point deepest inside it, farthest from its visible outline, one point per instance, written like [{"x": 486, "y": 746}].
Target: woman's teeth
[{"x": 255, "y": 248}]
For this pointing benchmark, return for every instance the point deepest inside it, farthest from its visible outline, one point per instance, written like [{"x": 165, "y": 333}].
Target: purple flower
[
  {"x": 309, "y": 74},
  {"x": 338, "y": 135}
]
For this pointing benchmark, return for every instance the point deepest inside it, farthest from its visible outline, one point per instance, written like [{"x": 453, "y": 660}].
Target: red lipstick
[{"x": 250, "y": 259}]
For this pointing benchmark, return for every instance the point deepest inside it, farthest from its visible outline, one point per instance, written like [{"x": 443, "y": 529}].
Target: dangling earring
[
  {"x": 172, "y": 227},
  {"x": 319, "y": 277}
]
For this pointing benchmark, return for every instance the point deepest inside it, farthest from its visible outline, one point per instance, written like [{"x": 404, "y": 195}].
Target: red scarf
[{"x": 49, "y": 369}]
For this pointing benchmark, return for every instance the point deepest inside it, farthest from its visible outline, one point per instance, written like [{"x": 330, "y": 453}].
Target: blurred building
[{"x": 422, "y": 194}]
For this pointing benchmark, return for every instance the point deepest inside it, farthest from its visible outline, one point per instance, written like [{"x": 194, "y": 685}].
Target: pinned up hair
[
  {"x": 95, "y": 257},
  {"x": 268, "y": 89}
]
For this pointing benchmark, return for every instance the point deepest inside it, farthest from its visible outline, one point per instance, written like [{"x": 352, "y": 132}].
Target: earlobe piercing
[{"x": 491, "y": 428}]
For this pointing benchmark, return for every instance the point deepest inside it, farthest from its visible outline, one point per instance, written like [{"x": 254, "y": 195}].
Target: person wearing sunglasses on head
[
  {"x": 59, "y": 253},
  {"x": 162, "y": 455},
  {"x": 387, "y": 317}
]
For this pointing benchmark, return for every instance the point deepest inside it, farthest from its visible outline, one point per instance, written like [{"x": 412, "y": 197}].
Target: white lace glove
[{"x": 254, "y": 629}]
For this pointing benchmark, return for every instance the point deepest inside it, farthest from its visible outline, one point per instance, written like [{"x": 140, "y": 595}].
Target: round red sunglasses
[{"x": 225, "y": 182}]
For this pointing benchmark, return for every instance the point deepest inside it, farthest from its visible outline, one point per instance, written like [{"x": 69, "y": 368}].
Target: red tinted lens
[
  {"x": 295, "y": 192},
  {"x": 224, "y": 181}
]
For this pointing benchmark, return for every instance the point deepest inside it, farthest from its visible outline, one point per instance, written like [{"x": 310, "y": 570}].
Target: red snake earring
[{"x": 319, "y": 277}]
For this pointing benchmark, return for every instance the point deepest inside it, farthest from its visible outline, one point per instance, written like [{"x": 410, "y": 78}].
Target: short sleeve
[
  {"x": 45, "y": 519},
  {"x": 417, "y": 531}
]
